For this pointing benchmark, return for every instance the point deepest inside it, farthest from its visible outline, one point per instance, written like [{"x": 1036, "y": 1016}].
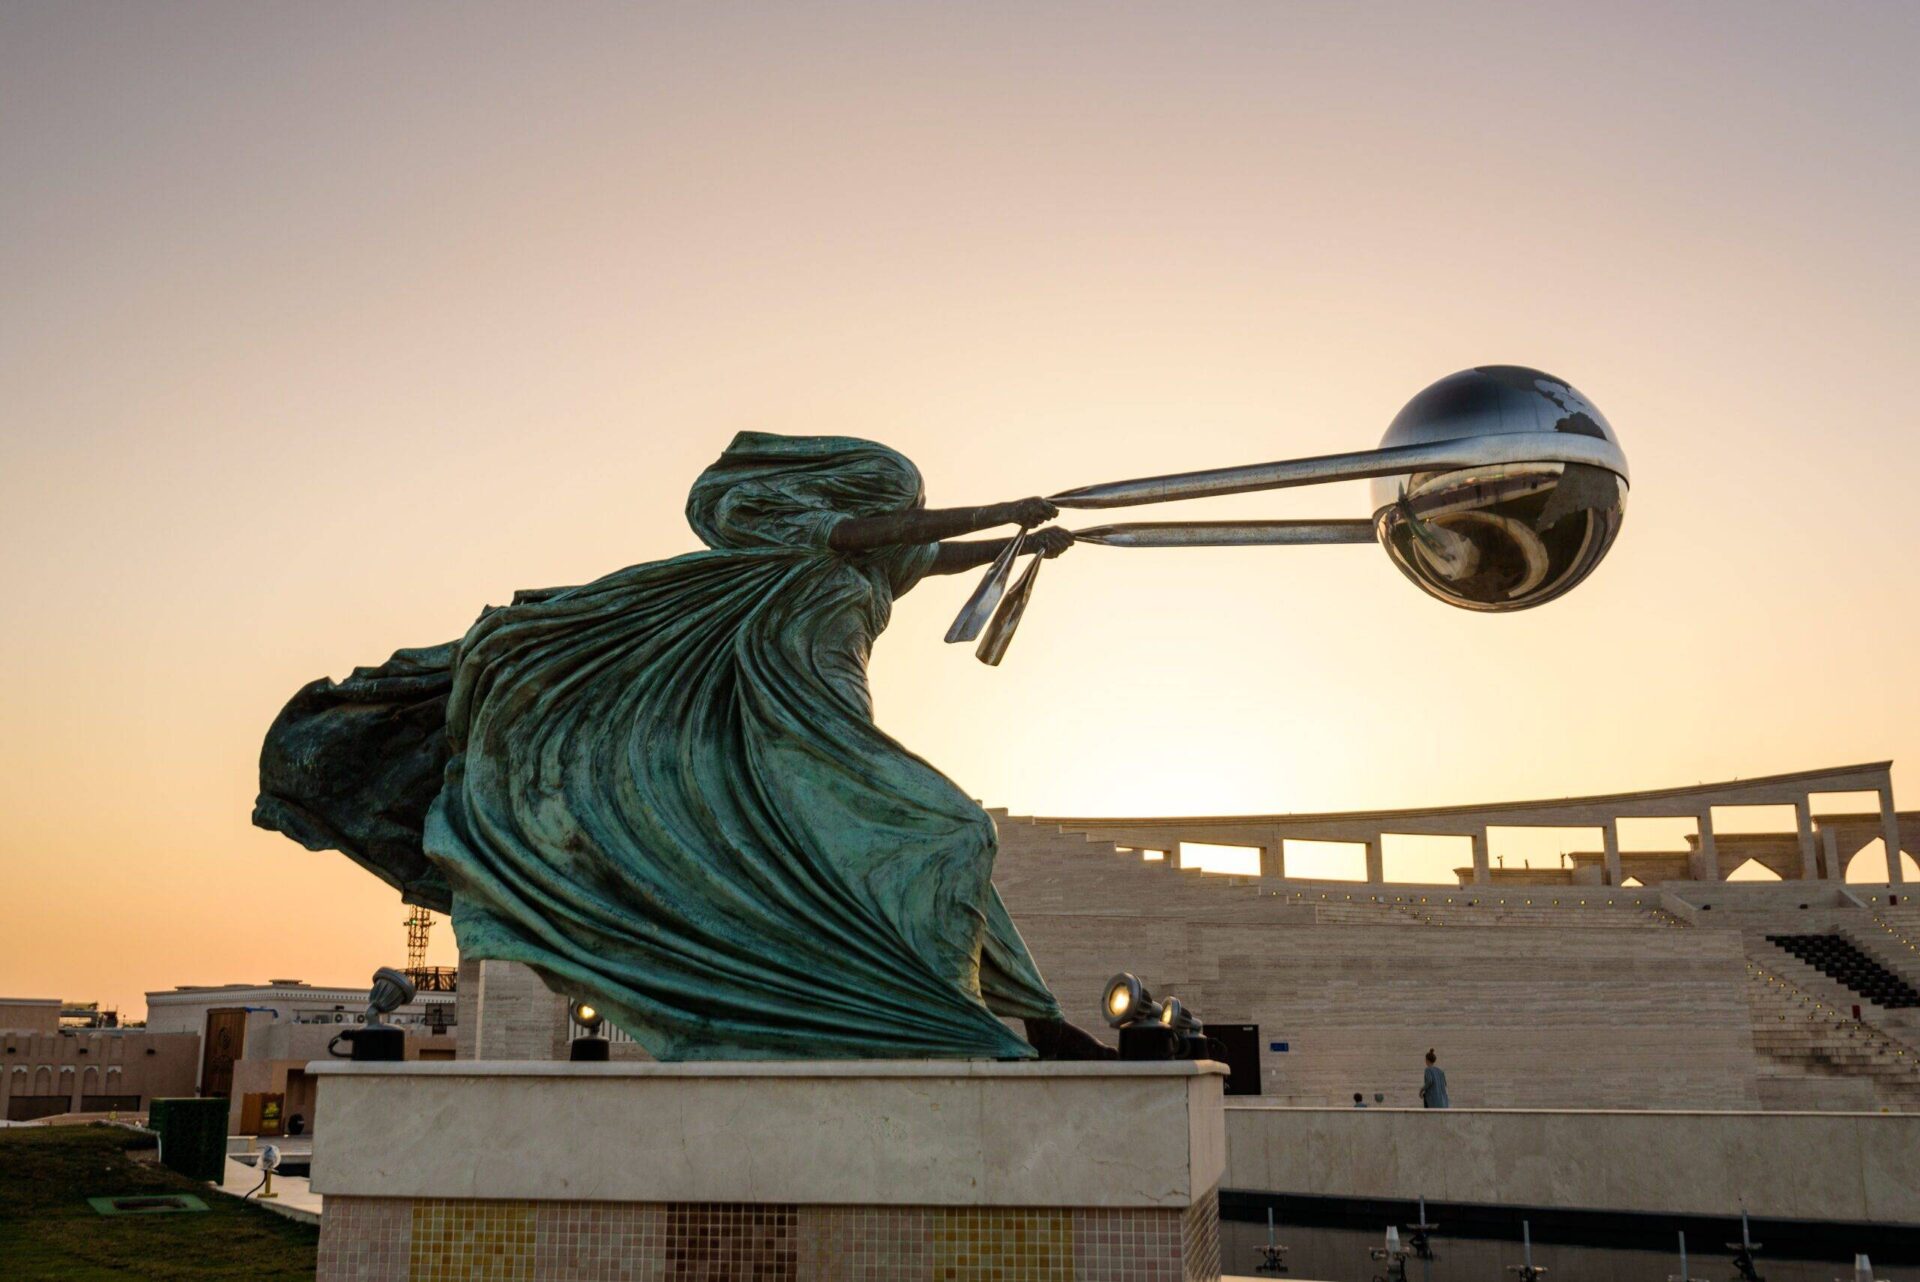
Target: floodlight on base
[
  {"x": 391, "y": 991},
  {"x": 590, "y": 1047},
  {"x": 1126, "y": 1001},
  {"x": 586, "y": 1015}
]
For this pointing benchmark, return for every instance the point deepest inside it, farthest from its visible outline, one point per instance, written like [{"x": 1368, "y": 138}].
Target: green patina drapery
[{"x": 665, "y": 791}]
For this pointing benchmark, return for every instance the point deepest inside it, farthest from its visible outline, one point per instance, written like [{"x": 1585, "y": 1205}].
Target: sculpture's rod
[
  {"x": 1225, "y": 534},
  {"x": 1470, "y": 451}
]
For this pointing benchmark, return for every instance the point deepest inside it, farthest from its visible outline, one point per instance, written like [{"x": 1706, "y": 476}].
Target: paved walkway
[{"x": 292, "y": 1199}]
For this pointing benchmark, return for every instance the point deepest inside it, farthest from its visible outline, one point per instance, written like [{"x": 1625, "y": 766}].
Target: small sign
[{"x": 1278, "y": 1048}]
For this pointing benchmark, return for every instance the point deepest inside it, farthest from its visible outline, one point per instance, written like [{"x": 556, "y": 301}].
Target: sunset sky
[{"x": 323, "y": 327}]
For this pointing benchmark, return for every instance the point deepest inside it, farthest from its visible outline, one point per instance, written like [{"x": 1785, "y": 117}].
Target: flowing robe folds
[{"x": 665, "y": 791}]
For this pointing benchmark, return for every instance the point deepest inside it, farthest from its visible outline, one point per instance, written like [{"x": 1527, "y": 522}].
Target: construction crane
[
  {"x": 419, "y": 926},
  {"x": 427, "y": 979}
]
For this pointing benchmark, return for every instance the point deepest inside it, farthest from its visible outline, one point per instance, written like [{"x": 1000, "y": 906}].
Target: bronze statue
[{"x": 665, "y": 791}]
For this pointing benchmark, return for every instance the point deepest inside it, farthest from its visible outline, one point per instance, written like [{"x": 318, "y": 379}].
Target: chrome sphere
[{"x": 1506, "y": 535}]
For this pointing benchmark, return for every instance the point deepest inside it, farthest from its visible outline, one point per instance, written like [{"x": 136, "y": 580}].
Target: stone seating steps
[
  {"x": 1830, "y": 1042},
  {"x": 1903, "y": 916},
  {"x": 1893, "y": 940},
  {"x": 1844, "y": 962},
  {"x": 1803, "y": 1035},
  {"x": 1367, "y": 914},
  {"x": 1052, "y": 870},
  {"x": 1843, "y": 1001},
  {"x": 1042, "y": 848},
  {"x": 1815, "y": 1059},
  {"x": 1869, "y": 932},
  {"x": 1797, "y": 1059},
  {"x": 1762, "y": 952},
  {"x": 1515, "y": 1013},
  {"x": 1053, "y": 865},
  {"x": 1397, "y": 905},
  {"x": 1594, "y": 916},
  {"x": 1339, "y": 973}
]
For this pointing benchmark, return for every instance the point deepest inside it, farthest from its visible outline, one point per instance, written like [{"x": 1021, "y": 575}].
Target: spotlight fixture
[
  {"x": 1189, "y": 1034},
  {"x": 1127, "y": 1001},
  {"x": 1129, "y": 1007},
  {"x": 1183, "y": 1021},
  {"x": 590, "y": 1047},
  {"x": 391, "y": 991},
  {"x": 376, "y": 1040}
]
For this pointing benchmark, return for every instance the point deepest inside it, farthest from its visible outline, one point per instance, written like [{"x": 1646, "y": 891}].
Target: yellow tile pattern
[
  {"x": 1002, "y": 1245},
  {"x": 397, "y": 1240},
  {"x": 471, "y": 1241}
]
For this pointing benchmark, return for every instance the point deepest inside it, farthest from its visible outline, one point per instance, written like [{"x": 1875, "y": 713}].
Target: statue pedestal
[{"x": 803, "y": 1171}]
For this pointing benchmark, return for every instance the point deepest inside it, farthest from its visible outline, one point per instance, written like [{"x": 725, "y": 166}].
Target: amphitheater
[
  {"x": 1616, "y": 980},
  {"x": 1548, "y": 988}
]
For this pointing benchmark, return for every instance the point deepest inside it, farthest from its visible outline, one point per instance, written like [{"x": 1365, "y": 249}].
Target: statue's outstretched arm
[
  {"x": 955, "y": 557},
  {"x": 930, "y": 525}
]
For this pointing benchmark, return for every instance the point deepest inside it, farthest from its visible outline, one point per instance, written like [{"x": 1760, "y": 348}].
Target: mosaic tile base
[
  {"x": 455, "y": 1241},
  {"x": 365, "y": 1239}
]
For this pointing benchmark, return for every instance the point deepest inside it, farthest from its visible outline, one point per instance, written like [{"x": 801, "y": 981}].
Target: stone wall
[
  {"x": 1861, "y": 1168},
  {"x": 42, "y": 1074},
  {"x": 505, "y": 1011}
]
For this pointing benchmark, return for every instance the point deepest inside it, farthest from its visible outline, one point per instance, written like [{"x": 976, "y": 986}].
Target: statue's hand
[
  {"x": 1027, "y": 512},
  {"x": 1050, "y": 542}
]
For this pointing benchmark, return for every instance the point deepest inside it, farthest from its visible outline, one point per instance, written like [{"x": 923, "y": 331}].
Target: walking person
[{"x": 1433, "y": 1087}]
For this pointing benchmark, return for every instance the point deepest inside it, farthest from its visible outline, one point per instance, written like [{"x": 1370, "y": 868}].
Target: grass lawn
[{"x": 47, "y": 1230}]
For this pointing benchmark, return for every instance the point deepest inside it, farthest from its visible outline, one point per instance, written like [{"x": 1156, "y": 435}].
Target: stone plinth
[{"x": 805, "y": 1171}]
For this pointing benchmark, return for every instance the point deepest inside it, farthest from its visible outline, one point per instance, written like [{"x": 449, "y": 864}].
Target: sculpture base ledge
[{"x": 809, "y": 1170}]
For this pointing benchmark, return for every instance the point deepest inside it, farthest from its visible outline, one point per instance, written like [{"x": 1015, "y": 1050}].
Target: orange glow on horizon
[{"x": 321, "y": 334}]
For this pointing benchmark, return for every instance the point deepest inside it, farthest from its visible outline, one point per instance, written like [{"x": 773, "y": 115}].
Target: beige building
[
  {"x": 47, "y": 1070},
  {"x": 30, "y": 1014},
  {"x": 256, "y": 1040}
]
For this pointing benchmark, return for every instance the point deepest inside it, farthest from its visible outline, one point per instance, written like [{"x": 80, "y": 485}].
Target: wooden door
[{"x": 226, "y": 1038}]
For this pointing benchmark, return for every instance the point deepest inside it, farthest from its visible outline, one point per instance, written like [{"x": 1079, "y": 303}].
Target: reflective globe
[{"x": 1502, "y": 535}]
